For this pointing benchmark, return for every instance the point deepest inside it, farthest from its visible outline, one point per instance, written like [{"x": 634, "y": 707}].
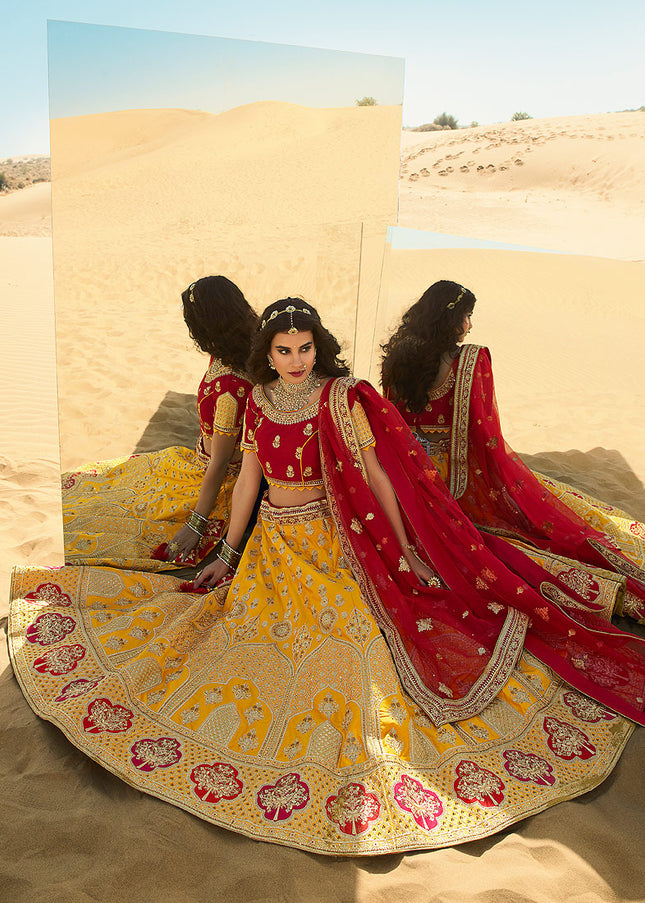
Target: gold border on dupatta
[
  {"x": 510, "y": 641},
  {"x": 460, "y": 420}
]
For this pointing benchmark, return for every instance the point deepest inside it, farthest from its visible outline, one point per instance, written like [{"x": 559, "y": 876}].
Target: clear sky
[
  {"x": 127, "y": 68},
  {"x": 478, "y": 60}
]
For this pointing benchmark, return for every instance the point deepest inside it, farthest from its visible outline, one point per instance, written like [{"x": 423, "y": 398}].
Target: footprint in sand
[
  {"x": 424, "y": 172},
  {"x": 480, "y": 168},
  {"x": 463, "y": 169},
  {"x": 503, "y": 167},
  {"x": 491, "y": 168},
  {"x": 518, "y": 162},
  {"x": 446, "y": 171},
  {"x": 413, "y": 176}
]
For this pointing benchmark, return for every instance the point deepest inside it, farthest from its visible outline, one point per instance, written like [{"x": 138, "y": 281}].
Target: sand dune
[
  {"x": 573, "y": 184},
  {"x": 146, "y": 201},
  {"x": 565, "y": 333}
]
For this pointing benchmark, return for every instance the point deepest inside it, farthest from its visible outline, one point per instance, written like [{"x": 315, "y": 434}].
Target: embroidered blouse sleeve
[
  {"x": 229, "y": 405},
  {"x": 247, "y": 442},
  {"x": 362, "y": 426}
]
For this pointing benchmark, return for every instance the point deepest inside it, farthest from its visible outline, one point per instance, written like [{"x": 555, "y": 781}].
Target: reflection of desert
[{"x": 565, "y": 334}]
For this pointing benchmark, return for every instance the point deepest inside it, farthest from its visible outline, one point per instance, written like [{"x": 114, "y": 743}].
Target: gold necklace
[{"x": 294, "y": 396}]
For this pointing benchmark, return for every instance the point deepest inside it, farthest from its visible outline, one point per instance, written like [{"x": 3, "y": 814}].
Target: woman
[
  {"x": 169, "y": 508},
  {"x": 364, "y": 686},
  {"x": 446, "y": 396}
]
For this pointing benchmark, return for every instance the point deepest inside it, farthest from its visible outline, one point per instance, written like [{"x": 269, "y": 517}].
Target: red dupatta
[
  {"x": 498, "y": 492},
  {"x": 456, "y": 643}
]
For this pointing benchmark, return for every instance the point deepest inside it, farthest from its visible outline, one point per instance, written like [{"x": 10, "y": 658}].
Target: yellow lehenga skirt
[
  {"x": 117, "y": 512},
  {"x": 275, "y": 709}
]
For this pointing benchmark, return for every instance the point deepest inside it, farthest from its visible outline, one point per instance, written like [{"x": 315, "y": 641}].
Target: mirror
[{"x": 177, "y": 156}]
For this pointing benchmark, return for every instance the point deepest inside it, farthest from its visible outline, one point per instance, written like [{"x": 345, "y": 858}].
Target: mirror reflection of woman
[
  {"x": 445, "y": 392},
  {"x": 169, "y": 508}
]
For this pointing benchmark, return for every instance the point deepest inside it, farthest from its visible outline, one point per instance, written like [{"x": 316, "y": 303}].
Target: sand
[{"x": 565, "y": 332}]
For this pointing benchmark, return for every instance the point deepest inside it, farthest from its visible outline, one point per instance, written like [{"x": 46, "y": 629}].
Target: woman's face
[
  {"x": 293, "y": 356},
  {"x": 466, "y": 326}
]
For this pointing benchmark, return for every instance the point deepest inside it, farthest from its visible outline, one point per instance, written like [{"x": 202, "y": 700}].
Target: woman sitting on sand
[
  {"x": 446, "y": 395},
  {"x": 374, "y": 679},
  {"x": 170, "y": 507}
]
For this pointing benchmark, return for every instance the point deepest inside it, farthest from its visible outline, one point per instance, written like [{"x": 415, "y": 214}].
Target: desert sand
[{"x": 565, "y": 333}]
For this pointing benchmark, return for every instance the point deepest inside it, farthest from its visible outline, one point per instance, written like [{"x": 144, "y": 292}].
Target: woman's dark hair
[
  {"x": 411, "y": 358},
  {"x": 303, "y": 317},
  {"x": 220, "y": 320}
]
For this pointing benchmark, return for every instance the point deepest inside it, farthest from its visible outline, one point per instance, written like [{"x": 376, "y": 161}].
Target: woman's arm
[
  {"x": 244, "y": 496},
  {"x": 379, "y": 483},
  {"x": 222, "y": 448}
]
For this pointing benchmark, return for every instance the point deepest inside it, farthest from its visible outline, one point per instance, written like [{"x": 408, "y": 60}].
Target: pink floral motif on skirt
[{"x": 279, "y": 800}]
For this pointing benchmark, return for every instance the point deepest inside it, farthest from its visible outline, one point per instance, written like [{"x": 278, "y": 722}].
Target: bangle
[
  {"x": 230, "y": 556},
  {"x": 199, "y": 516},
  {"x": 197, "y": 523}
]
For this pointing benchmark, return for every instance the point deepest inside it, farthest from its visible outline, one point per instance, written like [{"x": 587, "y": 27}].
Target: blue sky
[
  {"x": 126, "y": 68},
  {"x": 476, "y": 60}
]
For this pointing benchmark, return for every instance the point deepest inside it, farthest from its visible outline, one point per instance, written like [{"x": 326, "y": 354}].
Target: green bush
[
  {"x": 517, "y": 116},
  {"x": 3, "y": 181},
  {"x": 445, "y": 121},
  {"x": 366, "y": 102}
]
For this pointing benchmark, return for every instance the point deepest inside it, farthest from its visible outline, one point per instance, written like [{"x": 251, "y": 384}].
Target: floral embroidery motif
[
  {"x": 77, "y": 688},
  {"x": 475, "y": 784},
  {"x": 278, "y": 801},
  {"x": 328, "y": 706},
  {"x": 353, "y": 808},
  {"x": 60, "y": 661},
  {"x": 581, "y": 583},
  {"x": 50, "y": 627},
  {"x": 602, "y": 671},
  {"x": 216, "y": 782},
  {"x": 327, "y": 618},
  {"x": 150, "y": 754},
  {"x": 424, "y": 624},
  {"x": 51, "y": 593},
  {"x": 528, "y": 767},
  {"x": 103, "y": 715},
  {"x": 586, "y": 709},
  {"x": 301, "y": 643},
  {"x": 424, "y": 805},
  {"x": 567, "y": 741},
  {"x": 358, "y": 627}
]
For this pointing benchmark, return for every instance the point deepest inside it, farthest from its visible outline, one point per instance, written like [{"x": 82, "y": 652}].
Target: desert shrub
[
  {"x": 366, "y": 102},
  {"x": 427, "y": 127},
  {"x": 445, "y": 121},
  {"x": 474, "y": 124},
  {"x": 3, "y": 181},
  {"x": 517, "y": 116}
]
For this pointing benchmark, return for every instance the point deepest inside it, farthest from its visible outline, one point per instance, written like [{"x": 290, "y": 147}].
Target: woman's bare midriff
[{"x": 291, "y": 498}]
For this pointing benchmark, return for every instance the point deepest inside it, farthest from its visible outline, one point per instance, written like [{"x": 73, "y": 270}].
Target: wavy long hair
[
  {"x": 328, "y": 362},
  {"x": 220, "y": 320},
  {"x": 411, "y": 358}
]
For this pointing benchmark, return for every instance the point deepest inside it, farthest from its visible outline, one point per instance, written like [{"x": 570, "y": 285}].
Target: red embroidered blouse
[
  {"x": 221, "y": 399},
  {"x": 286, "y": 442}
]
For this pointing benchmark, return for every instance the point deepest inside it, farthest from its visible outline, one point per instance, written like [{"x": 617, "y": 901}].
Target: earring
[{"x": 270, "y": 360}]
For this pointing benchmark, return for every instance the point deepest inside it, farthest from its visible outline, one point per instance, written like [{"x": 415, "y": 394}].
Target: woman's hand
[
  {"x": 182, "y": 544},
  {"x": 212, "y": 574},
  {"x": 419, "y": 568}
]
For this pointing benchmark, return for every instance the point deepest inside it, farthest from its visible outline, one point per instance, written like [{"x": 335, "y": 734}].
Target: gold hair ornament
[
  {"x": 288, "y": 310},
  {"x": 191, "y": 296},
  {"x": 457, "y": 299}
]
